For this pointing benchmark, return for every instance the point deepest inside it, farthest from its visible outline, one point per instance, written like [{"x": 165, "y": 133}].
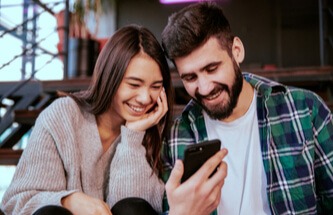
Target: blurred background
[{"x": 51, "y": 45}]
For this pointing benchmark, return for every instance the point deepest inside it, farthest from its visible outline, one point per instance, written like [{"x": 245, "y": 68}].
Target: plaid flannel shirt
[{"x": 296, "y": 137}]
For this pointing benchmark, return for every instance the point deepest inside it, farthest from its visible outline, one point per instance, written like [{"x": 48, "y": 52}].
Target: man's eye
[
  {"x": 188, "y": 78},
  {"x": 211, "y": 69}
]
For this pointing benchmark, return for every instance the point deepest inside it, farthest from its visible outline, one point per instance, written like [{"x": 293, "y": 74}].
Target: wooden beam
[{"x": 10, "y": 156}]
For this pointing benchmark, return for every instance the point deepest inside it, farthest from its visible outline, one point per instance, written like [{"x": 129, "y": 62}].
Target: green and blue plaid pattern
[{"x": 296, "y": 134}]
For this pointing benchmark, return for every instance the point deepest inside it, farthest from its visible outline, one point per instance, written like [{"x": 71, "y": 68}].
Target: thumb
[{"x": 175, "y": 176}]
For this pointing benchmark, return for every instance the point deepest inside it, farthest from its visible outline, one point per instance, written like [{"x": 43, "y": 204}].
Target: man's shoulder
[
  {"x": 262, "y": 84},
  {"x": 190, "y": 114},
  {"x": 309, "y": 98},
  {"x": 189, "y": 126}
]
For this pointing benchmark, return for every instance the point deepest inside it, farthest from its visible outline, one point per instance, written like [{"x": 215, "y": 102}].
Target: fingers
[
  {"x": 215, "y": 198},
  {"x": 151, "y": 118},
  {"x": 107, "y": 208},
  {"x": 175, "y": 176},
  {"x": 215, "y": 183},
  {"x": 220, "y": 173},
  {"x": 162, "y": 105},
  {"x": 210, "y": 165},
  {"x": 164, "y": 101},
  {"x": 217, "y": 180},
  {"x": 81, "y": 203},
  {"x": 161, "y": 109},
  {"x": 200, "y": 193}
]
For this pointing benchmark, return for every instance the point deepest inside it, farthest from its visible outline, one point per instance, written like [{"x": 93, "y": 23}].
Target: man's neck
[{"x": 243, "y": 104}]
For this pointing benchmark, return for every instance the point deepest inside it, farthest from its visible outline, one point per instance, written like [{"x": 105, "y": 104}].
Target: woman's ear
[{"x": 238, "y": 50}]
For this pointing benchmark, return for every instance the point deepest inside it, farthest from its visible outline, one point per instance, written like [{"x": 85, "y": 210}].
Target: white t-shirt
[{"x": 244, "y": 190}]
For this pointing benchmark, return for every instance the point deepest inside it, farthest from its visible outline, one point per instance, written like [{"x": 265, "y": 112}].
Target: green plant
[{"x": 85, "y": 11}]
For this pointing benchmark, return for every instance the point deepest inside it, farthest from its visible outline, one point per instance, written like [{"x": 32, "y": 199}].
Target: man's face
[{"x": 211, "y": 77}]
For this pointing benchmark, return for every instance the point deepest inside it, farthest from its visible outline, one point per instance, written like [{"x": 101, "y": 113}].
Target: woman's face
[{"x": 139, "y": 89}]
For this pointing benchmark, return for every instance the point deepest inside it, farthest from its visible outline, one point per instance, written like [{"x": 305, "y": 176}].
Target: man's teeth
[
  {"x": 136, "y": 109},
  {"x": 214, "y": 95}
]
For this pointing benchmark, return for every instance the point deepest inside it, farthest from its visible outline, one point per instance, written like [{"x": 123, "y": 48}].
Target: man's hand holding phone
[
  {"x": 201, "y": 193},
  {"x": 197, "y": 154}
]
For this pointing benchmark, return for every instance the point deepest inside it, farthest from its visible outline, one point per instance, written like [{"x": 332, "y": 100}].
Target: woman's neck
[{"x": 108, "y": 128}]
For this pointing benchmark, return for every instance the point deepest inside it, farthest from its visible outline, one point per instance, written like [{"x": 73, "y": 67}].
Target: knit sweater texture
[{"x": 65, "y": 155}]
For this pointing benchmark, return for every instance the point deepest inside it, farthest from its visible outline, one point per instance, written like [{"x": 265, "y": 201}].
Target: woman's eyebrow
[
  {"x": 140, "y": 80},
  {"x": 158, "y": 82},
  {"x": 133, "y": 78}
]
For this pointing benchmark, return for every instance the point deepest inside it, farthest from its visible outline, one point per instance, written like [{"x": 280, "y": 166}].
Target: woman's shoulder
[
  {"x": 63, "y": 104},
  {"x": 62, "y": 108}
]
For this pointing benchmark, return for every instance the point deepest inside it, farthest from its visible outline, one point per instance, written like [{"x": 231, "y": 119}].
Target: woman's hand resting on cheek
[{"x": 151, "y": 118}]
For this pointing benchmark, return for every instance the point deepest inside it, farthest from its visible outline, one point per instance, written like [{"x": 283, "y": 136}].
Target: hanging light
[{"x": 180, "y": 1}]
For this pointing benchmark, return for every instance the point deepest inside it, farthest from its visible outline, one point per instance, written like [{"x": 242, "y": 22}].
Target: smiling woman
[
  {"x": 140, "y": 87},
  {"x": 103, "y": 144}
]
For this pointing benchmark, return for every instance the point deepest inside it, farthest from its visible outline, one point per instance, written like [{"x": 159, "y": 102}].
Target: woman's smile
[{"x": 137, "y": 110}]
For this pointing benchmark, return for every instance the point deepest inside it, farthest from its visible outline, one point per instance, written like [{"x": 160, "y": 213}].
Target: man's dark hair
[{"x": 193, "y": 26}]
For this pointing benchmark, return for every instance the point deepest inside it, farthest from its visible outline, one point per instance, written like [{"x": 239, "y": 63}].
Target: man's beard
[{"x": 222, "y": 111}]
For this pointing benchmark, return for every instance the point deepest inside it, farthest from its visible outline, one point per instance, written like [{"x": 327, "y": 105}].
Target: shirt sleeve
[
  {"x": 39, "y": 178},
  {"x": 131, "y": 174},
  {"x": 323, "y": 164}
]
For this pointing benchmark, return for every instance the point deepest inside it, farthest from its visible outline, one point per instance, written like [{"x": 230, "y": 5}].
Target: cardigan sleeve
[
  {"x": 40, "y": 177},
  {"x": 130, "y": 173}
]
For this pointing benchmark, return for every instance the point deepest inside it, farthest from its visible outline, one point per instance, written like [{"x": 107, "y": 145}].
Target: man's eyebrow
[
  {"x": 186, "y": 74},
  {"x": 212, "y": 64}
]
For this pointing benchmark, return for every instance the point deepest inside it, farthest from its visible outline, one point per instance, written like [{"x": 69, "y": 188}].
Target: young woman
[{"x": 90, "y": 149}]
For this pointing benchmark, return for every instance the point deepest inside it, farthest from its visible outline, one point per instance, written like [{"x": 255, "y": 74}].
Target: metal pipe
[
  {"x": 66, "y": 39},
  {"x": 321, "y": 33}
]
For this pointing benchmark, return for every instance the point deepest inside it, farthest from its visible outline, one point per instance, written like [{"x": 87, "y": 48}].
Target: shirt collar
[{"x": 263, "y": 85}]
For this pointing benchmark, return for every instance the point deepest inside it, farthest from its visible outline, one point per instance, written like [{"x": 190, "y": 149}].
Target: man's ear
[{"x": 238, "y": 50}]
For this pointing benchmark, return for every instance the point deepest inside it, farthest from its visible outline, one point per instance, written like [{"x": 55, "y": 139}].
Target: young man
[{"x": 279, "y": 138}]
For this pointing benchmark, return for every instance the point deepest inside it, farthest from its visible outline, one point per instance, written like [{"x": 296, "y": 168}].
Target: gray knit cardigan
[{"x": 65, "y": 155}]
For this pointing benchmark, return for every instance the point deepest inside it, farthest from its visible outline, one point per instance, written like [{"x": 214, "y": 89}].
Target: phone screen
[{"x": 196, "y": 155}]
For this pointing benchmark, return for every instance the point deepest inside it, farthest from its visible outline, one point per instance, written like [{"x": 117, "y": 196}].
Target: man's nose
[{"x": 205, "y": 86}]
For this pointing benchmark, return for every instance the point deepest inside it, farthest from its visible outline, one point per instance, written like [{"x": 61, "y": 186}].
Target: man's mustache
[{"x": 217, "y": 88}]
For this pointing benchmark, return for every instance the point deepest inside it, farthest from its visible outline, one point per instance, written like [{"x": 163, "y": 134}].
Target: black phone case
[{"x": 196, "y": 155}]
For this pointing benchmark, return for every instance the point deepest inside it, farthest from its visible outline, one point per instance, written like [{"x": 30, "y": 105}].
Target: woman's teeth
[{"x": 136, "y": 109}]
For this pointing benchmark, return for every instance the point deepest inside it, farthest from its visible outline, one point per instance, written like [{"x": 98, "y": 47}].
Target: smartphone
[{"x": 196, "y": 155}]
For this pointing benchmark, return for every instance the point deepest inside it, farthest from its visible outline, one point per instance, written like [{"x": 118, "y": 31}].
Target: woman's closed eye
[
  {"x": 157, "y": 87},
  {"x": 134, "y": 85}
]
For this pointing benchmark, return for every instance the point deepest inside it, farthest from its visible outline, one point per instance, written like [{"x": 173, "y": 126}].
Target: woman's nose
[{"x": 144, "y": 97}]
